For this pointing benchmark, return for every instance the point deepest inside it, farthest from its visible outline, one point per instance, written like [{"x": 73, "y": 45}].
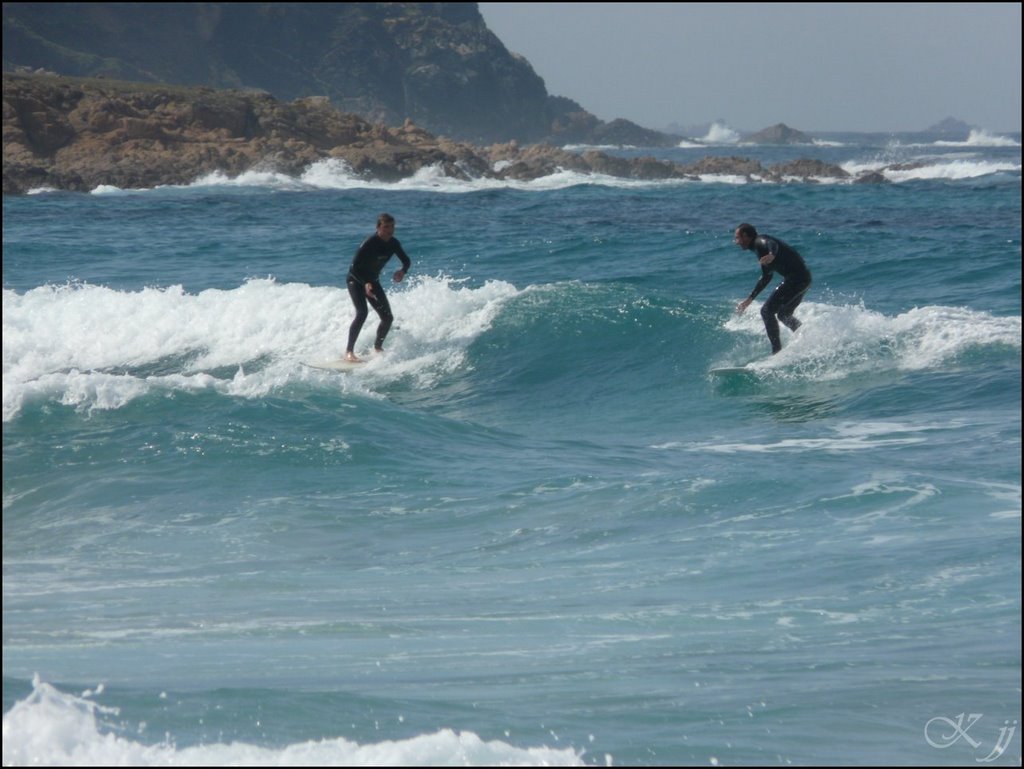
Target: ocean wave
[
  {"x": 93, "y": 347},
  {"x": 335, "y": 174},
  {"x": 96, "y": 348},
  {"x": 855, "y": 437},
  {"x": 53, "y": 728},
  {"x": 981, "y": 138},
  {"x": 839, "y": 341},
  {"x": 933, "y": 169}
]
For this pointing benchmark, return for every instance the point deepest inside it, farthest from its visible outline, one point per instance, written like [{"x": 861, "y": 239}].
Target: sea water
[{"x": 536, "y": 530}]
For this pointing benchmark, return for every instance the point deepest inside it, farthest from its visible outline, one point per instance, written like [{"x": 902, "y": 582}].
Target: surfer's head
[
  {"x": 745, "y": 236},
  {"x": 385, "y": 226}
]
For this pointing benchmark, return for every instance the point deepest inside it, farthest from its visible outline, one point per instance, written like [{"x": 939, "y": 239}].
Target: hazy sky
[{"x": 814, "y": 67}]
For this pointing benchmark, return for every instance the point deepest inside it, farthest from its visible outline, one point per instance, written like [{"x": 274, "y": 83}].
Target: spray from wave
[{"x": 720, "y": 133}]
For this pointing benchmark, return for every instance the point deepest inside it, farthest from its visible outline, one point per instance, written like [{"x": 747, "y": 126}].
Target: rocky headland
[
  {"x": 80, "y": 133},
  {"x": 436, "y": 64}
]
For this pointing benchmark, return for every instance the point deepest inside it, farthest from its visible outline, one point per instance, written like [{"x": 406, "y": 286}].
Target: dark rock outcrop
[
  {"x": 809, "y": 169},
  {"x": 625, "y": 133}
]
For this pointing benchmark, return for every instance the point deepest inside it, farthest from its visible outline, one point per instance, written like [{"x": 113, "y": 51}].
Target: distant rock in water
[
  {"x": 624, "y": 133},
  {"x": 951, "y": 129},
  {"x": 779, "y": 134}
]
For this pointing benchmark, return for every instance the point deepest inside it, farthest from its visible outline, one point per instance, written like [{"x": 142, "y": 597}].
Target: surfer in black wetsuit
[
  {"x": 364, "y": 281},
  {"x": 775, "y": 256}
]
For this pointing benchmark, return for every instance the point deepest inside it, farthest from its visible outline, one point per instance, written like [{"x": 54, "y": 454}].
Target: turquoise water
[{"x": 537, "y": 530}]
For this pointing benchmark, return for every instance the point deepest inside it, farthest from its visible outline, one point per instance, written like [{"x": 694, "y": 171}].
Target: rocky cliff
[
  {"x": 436, "y": 64},
  {"x": 77, "y": 134}
]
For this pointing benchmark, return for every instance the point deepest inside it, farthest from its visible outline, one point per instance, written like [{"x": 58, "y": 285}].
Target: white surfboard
[{"x": 337, "y": 364}]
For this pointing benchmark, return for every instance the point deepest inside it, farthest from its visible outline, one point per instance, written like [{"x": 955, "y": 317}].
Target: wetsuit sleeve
[
  {"x": 400, "y": 253},
  {"x": 762, "y": 247},
  {"x": 766, "y": 278}
]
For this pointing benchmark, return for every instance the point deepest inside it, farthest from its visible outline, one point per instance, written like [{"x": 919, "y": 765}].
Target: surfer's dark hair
[
  {"x": 747, "y": 229},
  {"x": 385, "y": 219}
]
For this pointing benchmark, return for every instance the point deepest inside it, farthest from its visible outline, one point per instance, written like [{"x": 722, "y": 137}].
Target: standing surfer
[
  {"x": 364, "y": 282},
  {"x": 775, "y": 256}
]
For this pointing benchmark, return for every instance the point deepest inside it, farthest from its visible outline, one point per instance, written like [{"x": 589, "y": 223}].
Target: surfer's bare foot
[
  {"x": 351, "y": 357},
  {"x": 378, "y": 350}
]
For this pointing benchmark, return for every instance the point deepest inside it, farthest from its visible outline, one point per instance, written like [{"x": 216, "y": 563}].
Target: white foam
[
  {"x": 336, "y": 174},
  {"x": 839, "y": 444},
  {"x": 107, "y": 189},
  {"x": 724, "y": 178},
  {"x": 253, "y": 178},
  {"x": 845, "y": 438},
  {"x": 94, "y": 347},
  {"x": 979, "y": 137},
  {"x": 837, "y": 341},
  {"x": 951, "y": 169},
  {"x": 52, "y": 728}
]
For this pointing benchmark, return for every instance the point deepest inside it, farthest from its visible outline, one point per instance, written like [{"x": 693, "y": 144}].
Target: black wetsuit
[
  {"x": 787, "y": 295},
  {"x": 369, "y": 260}
]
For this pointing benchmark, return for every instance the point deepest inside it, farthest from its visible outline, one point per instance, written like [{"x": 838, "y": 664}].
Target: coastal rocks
[
  {"x": 728, "y": 166},
  {"x": 79, "y": 134},
  {"x": 806, "y": 169},
  {"x": 872, "y": 177}
]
